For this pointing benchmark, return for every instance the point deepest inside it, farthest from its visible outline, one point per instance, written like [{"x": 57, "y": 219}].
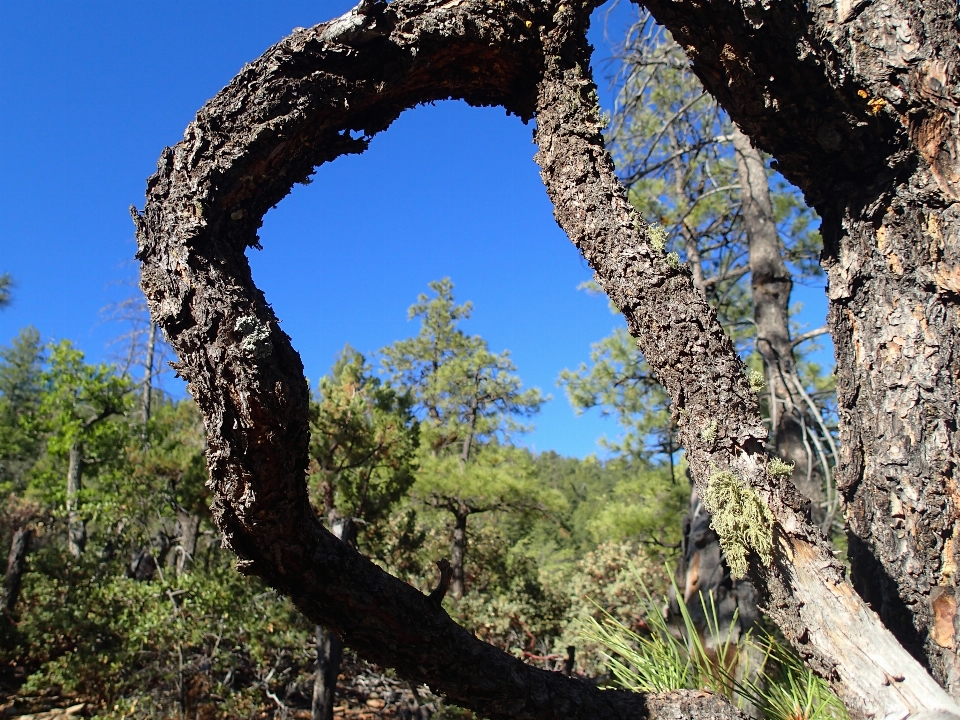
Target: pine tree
[{"x": 469, "y": 400}]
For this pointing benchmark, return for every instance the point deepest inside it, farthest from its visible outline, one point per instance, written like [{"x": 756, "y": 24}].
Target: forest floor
[{"x": 364, "y": 692}]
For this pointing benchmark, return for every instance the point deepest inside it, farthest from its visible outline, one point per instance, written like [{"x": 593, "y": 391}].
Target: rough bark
[
  {"x": 803, "y": 589},
  {"x": 771, "y": 285},
  {"x": 701, "y": 570},
  {"x": 16, "y": 565},
  {"x": 458, "y": 552},
  {"x": 76, "y": 525},
  {"x": 295, "y": 108},
  {"x": 858, "y": 102}
]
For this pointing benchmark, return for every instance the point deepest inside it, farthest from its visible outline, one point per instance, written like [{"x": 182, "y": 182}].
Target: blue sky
[{"x": 90, "y": 92}]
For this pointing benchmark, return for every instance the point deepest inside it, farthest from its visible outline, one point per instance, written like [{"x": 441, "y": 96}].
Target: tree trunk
[
  {"x": 772, "y": 284},
  {"x": 146, "y": 389},
  {"x": 329, "y": 644},
  {"x": 898, "y": 398},
  {"x": 294, "y": 109},
  {"x": 329, "y": 655},
  {"x": 701, "y": 572},
  {"x": 16, "y": 565},
  {"x": 76, "y": 525},
  {"x": 458, "y": 552},
  {"x": 189, "y": 531},
  {"x": 864, "y": 119}
]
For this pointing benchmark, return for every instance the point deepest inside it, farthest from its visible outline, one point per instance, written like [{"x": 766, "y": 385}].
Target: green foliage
[
  {"x": 94, "y": 633},
  {"x": 653, "y": 656},
  {"x": 741, "y": 519},
  {"x": 21, "y": 433},
  {"x": 78, "y": 395},
  {"x": 779, "y": 468},
  {"x": 363, "y": 443},
  {"x": 469, "y": 401},
  {"x": 785, "y": 689},
  {"x": 621, "y": 384},
  {"x": 464, "y": 393},
  {"x": 6, "y": 285}
]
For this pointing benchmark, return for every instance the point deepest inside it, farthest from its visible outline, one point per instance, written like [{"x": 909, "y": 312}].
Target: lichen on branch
[{"x": 741, "y": 519}]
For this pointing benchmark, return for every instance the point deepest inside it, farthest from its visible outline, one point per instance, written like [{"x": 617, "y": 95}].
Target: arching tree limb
[{"x": 294, "y": 109}]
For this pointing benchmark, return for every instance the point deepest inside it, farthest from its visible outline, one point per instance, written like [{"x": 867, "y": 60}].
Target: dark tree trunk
[
  {"x": 16, "y": 565},
  {"x": 76, "y": 525},
  {"x": 863, "y": 117},
  {"x": 329, "y": 655},
  {"x": 329, "y": 644},
  {"x": 294, "y": 109},
  {"x": 458, "y": 552}
]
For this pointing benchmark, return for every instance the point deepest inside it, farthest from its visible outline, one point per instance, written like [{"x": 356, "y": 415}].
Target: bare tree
[{"x": 884, "y": 161}]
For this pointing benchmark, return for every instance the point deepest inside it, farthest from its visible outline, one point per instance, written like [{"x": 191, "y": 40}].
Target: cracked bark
[
  {"x": 858, "y": 102},
  {"x": 294, "y": 109}
]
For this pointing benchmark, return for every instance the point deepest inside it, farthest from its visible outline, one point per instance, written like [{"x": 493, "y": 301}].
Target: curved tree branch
[
  {"x": 295, "y": 108},
  {"x": 291, "y": 110}
]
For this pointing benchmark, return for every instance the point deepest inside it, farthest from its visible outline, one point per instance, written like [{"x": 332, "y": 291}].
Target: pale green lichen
[
  {"x": 255, "y": 336},
  {"x": 657, "y": 237},
  {"x": 741, "y": 519},
  {"x": 673, "y": 260},
  {"x": 709, "y": 433},
  {"x": 757, "y": 383},
  {"x": 780, "y": 468}
]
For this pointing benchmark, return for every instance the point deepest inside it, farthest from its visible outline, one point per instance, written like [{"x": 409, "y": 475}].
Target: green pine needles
[
  {"x": 754, "y": 668},
  {"x": 741, "y": 519}
]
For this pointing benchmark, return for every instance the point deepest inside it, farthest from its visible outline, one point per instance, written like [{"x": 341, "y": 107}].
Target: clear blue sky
[{"x": 90, "y": 92}]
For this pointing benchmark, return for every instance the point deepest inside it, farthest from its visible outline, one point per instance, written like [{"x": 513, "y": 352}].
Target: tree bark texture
[
  {"x": 701, "y": 570},
  {"x": 297, "y": 107},
  {"x": 858, "y": 103},
  {"x": 458, "y": 553},
  {"x": 76, "y": 525},
  {"x": 16, "y": 565}
]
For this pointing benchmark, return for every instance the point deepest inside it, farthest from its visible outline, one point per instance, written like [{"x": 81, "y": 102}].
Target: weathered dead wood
[{"x": 294, "y": 109}]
